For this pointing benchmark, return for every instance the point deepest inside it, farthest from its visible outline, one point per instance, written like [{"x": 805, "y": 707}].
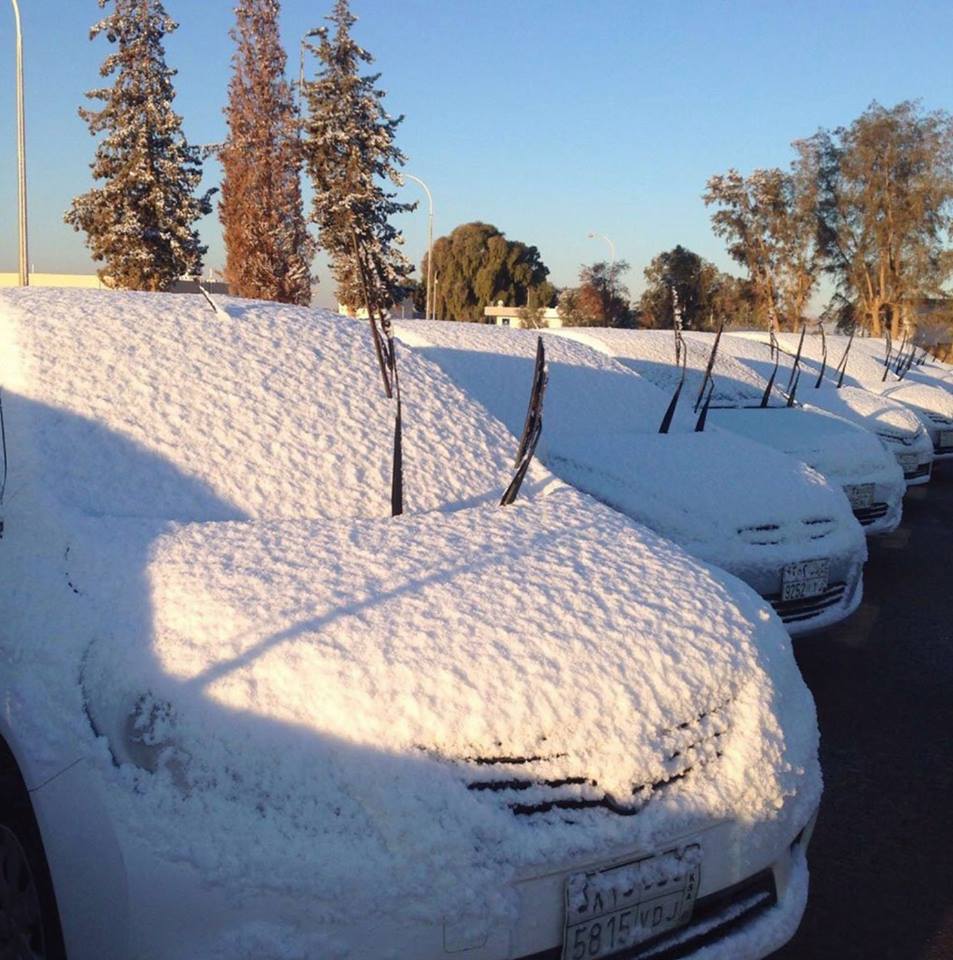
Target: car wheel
[{"x": 29, "y": 925}]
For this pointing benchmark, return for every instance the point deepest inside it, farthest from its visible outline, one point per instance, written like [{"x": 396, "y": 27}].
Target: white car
[
  {"x": 758, "y": 514},
  {"x": 898, "y": 428},
  {"x": 847, "y": 455},
  {"x": 249, "y": 715},
  {"x": 866, "y": 368}
]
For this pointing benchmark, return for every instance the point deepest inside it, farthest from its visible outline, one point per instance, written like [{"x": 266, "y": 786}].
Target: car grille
[
  {"x": 923, "y": 470},
  {"x": 792, "y": 611},
  {"x": 714, "y": 917},
  {"x": 520, "y": 784},
  {"x": 770, "y": 534},
  {"x": 868, "y": 515}
]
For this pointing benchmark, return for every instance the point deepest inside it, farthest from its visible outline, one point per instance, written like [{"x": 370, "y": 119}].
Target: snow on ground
[
  {"x": 600, "y": 433},
  {"x": 288, "y": 696}
]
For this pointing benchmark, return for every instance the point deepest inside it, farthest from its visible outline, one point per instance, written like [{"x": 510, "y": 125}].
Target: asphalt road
[{"x": 881, "y": 859}]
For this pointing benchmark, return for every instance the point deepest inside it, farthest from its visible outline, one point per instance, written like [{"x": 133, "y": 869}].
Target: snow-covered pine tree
[
  {"x": 350, "y": 155},
  {"x": 140, "y": 221},
  {"x": 268, "y": 249}
]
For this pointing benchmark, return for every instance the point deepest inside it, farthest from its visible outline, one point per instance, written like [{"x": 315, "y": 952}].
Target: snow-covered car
[
  {"x": 249, "y": 715},
  {"x": 764, "y": 517},
  {"x": 847, "y": 455},
  {"x": 866, "y": 367},
  {"x": 898, "y": 428}
]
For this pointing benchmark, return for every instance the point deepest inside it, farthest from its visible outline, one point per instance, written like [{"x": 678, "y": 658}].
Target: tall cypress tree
[
  {"x": 267, "y": 244},
  {"x": 140, "y": 221},
  {"x": 350, "y": 154}
]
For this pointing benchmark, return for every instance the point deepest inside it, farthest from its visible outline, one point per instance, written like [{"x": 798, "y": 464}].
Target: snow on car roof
[
  {"x": 875, "y": 412},
  {"x": 651, "y": 353},
  {"x": 601, "y": 434},
  {"x": 865, "y": 368},
  {"x": 299, "y": 704},
  {"x": 276, "y": 411}
]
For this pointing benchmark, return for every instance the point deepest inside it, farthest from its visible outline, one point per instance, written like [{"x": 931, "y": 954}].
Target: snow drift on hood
[{"x": 437, "y": 652}]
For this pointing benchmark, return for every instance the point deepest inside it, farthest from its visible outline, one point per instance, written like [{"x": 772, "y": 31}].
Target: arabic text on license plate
[
  {"x": 806, "y": 578},
  {"x": 945, "y": 441},
  {"x": 860, "y": 494},
  {"x": 610, "y": 910},
  {"x": 908, "y": 462}
]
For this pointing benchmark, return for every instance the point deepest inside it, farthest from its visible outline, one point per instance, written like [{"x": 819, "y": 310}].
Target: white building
[{"x": 510, "y": 316}]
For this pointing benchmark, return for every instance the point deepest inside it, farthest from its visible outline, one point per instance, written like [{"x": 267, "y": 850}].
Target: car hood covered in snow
[
  {"x": 335, "y": 708},
  {"x": 601, "y": 435}
]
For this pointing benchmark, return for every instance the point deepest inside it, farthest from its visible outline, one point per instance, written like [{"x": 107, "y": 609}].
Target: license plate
[
  {"x": 806, "y": 578},
  {"x": 608, "y": 911},
  {"x": 860, "y": 494},
  {"x": 908, "y": 462},
  {"x": 946, "y": 439}
]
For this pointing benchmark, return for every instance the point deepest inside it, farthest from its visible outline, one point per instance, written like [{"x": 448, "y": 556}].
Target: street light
[
  {"x": 430, "y": 286},
  {"x": 21, "y": 153},
  {"x": 592, "y": 236}
]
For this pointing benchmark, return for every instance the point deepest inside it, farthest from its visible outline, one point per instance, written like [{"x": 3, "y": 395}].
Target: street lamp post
[
  {"x": 21, "y": 153},
  {"x": 592, "y": 236},
  {"x": 431, "y": 291}
]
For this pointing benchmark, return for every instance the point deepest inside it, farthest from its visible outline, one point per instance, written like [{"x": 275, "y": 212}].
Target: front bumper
[
  {"x": 128, "y": 905},
  {"x": 811, "y": 614},
  {"x": 746, "y": 920},
  {"x": 885, "y": 511}
]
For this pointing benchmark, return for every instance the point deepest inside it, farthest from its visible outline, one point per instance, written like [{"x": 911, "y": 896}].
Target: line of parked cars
[{"x": 248, "y": 713}]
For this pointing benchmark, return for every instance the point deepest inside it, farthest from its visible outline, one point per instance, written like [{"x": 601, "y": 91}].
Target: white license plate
[
  {"x": 806, "y": 578},
  {"x": 859, "y": 494},
  {"x": 945, "y": 441},
  {"x": 908, "y": 462},
  {"x": 608, "y": 911}
]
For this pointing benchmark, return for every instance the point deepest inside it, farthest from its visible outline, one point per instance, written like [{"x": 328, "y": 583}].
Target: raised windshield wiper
[
  {"x": 796, "y": 366},
  {"x": 708, "y": 368},
  {"x": 901, "y": 358},
  {"x": 842, "y": 366},
  {"x": 532, "y": 428},
  {"x": 820, "y": 376},
  {"x": 888, "y": 340},
  {"x": 386, "y": 353},
  {"x": 681, "y": 360},
  {"x": 776, "y": 354}
]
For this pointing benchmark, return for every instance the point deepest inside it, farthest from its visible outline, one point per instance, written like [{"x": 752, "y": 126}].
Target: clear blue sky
[{"x": 548, "y": 118}]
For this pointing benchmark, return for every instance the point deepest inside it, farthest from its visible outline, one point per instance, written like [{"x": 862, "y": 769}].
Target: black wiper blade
[
  {"x": 795, "y": 367},
  {"x": 820, "y": 376},
  {"x": 776, "y": 353},
  {"x": 386, "y": 352},
  {"x": 888, "y": 340},
  {"x": 842, "y": 366},
  {"x": 709, "y": 366},
  {"x": 3, "y": 446},
  {"x": 681, "y": 358},
  {"x": 900, "y": 355},
  {"x": 532, "y": 428},
  {"x": 703, "y": 416},
  {"x": 793, "y": 392}
]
